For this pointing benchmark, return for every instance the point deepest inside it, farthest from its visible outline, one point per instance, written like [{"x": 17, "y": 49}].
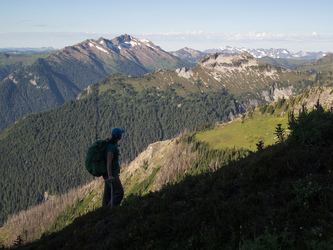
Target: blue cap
[{"x": 117, "y": 131}]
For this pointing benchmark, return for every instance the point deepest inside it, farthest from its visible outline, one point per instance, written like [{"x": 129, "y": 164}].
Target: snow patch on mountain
[
  {"x": 96, "y": 44},
  {"x": 113, "y": 46},
  {"x": 126, "y": 42},
  {"x": 103, "y": 50},
  {"x": 148, "y": 43},
  {"x": 129, "y": 44},
  {"x": 145, "y": 41}
]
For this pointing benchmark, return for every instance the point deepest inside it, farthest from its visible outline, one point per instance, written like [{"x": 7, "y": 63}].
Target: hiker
[{"x": 113, "y": 169}]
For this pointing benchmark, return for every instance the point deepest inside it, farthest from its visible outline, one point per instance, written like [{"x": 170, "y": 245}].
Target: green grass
[
  {"x": 244, "y": 134},
  {"x": 278, "y": 198},
  {"x": 144, "y": 186}
]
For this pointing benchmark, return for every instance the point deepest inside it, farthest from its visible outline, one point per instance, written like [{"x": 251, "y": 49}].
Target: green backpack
[{"x": 96, "y": 158}]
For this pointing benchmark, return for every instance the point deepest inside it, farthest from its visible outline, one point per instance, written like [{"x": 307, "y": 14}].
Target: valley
[
  {"x": 189, "y": 121},
  {"x": 174, "y": 181},
  {"x": 218, "y": 87}
]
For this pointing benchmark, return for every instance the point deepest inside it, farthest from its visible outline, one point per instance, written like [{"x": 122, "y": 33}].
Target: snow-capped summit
[
  {"x": 273, "y": 53},
  {"x": 128, "y": 42}
]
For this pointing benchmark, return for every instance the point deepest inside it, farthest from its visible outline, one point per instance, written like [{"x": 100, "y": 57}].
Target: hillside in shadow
[{"x": 278, "y": 197}]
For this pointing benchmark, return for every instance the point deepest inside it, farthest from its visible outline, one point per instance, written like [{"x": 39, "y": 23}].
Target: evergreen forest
[
  {"x": 45, "y": 152},
  {"x": 280, "y": 197}
]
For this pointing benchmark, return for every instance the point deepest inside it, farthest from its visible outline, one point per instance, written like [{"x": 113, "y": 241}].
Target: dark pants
[{"x": 118, "y": 192}]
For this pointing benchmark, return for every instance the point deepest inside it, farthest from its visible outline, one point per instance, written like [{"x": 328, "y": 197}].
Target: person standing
[{"x": 113, "y": 170}]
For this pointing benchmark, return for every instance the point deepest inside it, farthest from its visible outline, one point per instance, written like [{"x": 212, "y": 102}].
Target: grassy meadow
[{"x": 245, "y": 132}]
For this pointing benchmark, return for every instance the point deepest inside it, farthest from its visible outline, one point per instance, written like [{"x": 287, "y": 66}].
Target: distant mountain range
[
  {"x": 26, "y": 50},
  {"x": 193, "y": 55},
  {"x": 277, "y": 57},
  {"x": 31, "y": 86},
  {"x": 273, "y": 53},
  {"x": 154, "y": 95},
  {"x": 151, "y": 107}
]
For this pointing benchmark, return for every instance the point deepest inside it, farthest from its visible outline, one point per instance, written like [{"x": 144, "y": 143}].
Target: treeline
[{"x": 46, "y": 151}]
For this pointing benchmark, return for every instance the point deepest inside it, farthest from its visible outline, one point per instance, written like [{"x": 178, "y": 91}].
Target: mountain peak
[
  {"x": 127, "y": 41},
  {"x": 124, "y": 38},
  {"x": 215, "y": 59},
  {"x": 118, "y": 44}
]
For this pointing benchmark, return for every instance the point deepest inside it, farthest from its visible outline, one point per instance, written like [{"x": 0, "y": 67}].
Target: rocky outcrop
[
  {"x": 276, "y": 92},
  {"x": 184, "y": 72}
]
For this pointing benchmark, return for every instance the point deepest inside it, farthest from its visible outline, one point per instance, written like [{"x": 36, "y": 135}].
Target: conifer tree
[{"x": 279, "y": 132}]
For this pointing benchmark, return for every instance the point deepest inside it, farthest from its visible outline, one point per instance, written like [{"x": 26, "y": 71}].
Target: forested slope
[
  {"x": 12, "y": 62},
  {"x": 51, "y": 81},
  {"x": 278, "y": 198},
  {"x": 45, "y": 151}
]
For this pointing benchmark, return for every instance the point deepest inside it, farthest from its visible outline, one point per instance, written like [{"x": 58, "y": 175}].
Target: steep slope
[
  {"x": 52, "y": 214},
  {"x": 280, "y": 197},
  {"x": 260, "y": 124},
  {"x": 45, "y": 151},
  {"x": 62, "y": 76},
  {"x": 161, "y": 163},
  {"x": 153, "y": 107},
  {"x": 241, "y": 75},
  {"x": 166, "y": 162},
  {"x": 144, "y": 52}
]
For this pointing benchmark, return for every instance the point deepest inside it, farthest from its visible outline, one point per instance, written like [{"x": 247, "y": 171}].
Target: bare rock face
[
  {"x": 154, "y": 156},
  {"x": 184, "y": 72},
  {"x": 311, "y": 97},
  {"x": 229, "y": 61},
  {"x": 239, "y": 73},
  {"x": 276, "y": 92}
]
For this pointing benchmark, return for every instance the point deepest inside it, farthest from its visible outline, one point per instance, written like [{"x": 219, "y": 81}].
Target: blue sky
[{"x": 173, "y": 24}]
